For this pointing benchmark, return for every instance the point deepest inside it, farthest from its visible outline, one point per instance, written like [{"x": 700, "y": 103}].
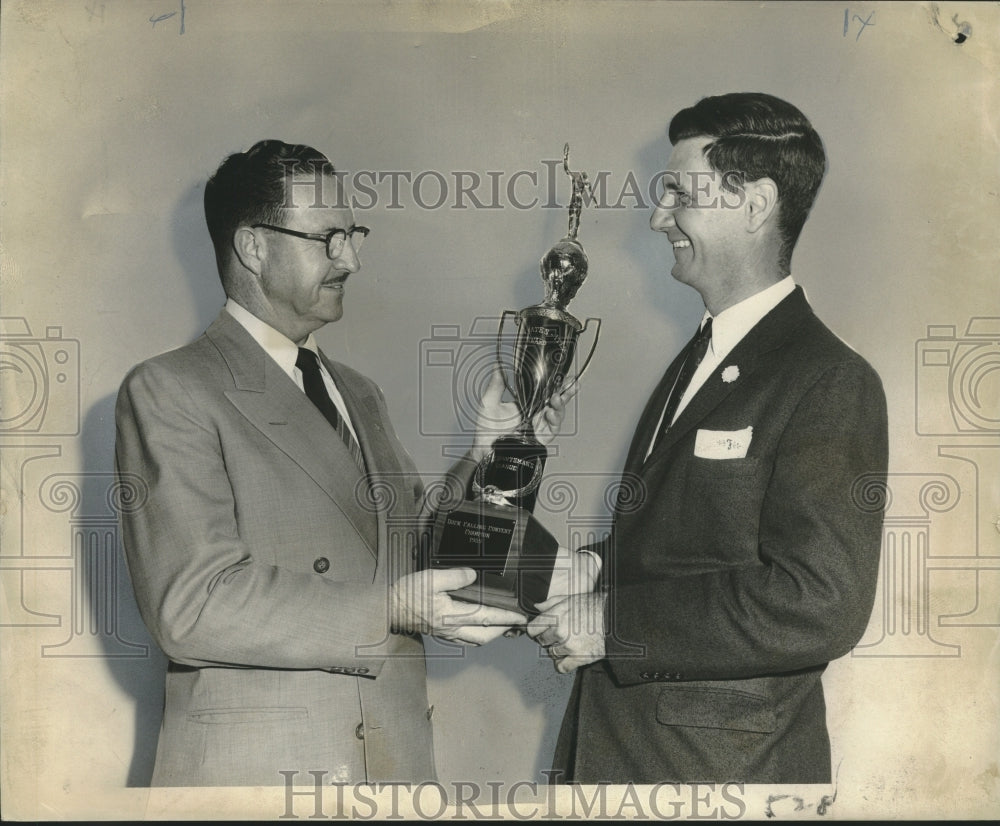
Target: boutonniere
[{"x": 730, "y": 374}]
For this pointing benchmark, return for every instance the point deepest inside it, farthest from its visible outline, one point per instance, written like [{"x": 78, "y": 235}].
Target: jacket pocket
[
  {"x": 710, "y": 469},
  {"x": 233, "y": 716},
  {"x": 722, "y": 506},
  {"x": 715, "y": 707}
]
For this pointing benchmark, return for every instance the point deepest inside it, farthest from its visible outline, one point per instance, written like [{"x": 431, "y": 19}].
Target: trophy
[{"x": 494, "y": 531}]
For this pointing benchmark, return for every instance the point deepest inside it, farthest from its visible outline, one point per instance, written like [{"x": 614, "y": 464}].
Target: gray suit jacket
[
  {"x": 261, "y": 563},
  {"x": 733, "y": 581}
]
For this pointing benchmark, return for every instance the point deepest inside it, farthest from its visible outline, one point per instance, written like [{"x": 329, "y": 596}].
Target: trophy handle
[
  {"x": 590, "y": 355},
  {"x": 503, "y": 372}
]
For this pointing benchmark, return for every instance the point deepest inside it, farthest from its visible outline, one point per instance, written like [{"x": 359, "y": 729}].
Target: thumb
[
  {"x": 494, "y": 390},
  {"x": 450, "y": 579},
  {"x": 551, "y": 602}
]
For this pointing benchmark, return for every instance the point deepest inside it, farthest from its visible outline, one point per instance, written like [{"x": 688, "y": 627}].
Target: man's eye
[{"x": 673, "y": 198}]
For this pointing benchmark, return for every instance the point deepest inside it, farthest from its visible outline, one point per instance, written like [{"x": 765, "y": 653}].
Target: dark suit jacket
[
  {"x": 734, "y": 581},
  {"x": 261, "y": 562}
]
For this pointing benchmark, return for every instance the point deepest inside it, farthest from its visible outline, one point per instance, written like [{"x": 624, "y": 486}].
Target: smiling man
[
  {"x": 747, "y": 559},
  {"x": 264, "y": 561}
]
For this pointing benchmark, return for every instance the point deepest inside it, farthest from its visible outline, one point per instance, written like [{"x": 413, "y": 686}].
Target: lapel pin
[{"x": 730, "y": 374}]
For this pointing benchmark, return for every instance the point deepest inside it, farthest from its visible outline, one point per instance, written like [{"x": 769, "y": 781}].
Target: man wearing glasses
[{"x": 263, "y": 562}]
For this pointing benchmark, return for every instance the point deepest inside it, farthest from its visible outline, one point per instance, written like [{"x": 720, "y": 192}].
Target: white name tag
[{"x": 723, "y": 444}]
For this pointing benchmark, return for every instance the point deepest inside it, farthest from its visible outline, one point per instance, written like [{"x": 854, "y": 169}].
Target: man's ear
[
  {"x": 761, "y": 202},
  {"x": 249, "y": 249}
]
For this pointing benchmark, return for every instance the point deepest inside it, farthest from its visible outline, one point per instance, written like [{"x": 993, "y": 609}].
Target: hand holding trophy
[{"x": 494, "y": 532}]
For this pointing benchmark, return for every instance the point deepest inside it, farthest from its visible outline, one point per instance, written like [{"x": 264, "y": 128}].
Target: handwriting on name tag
[{"x": 723, "y": 444}]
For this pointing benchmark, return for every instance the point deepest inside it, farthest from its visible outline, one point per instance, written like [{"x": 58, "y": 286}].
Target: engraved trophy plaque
[{"x": 494, "y": 531}]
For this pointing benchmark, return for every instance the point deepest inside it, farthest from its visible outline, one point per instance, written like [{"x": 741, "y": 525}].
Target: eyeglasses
[{"x": 334, "y": 240}]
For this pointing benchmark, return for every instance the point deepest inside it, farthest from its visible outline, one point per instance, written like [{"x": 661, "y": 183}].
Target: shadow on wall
[
  {"x": 109, "y": 610},
  {"x": 107, "y": 599},
  {"x": 196, "y": 258}
]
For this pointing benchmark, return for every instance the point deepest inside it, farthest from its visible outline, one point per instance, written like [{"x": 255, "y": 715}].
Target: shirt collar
[
  {"x": 277, "y": 345},
  {"x": 732, "y": 324}
]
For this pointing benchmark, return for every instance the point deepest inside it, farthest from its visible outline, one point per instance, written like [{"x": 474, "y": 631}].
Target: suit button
[
  {"x": 362, "y": 670},
  {"x": 321, "y": 565},
  {"x": 359, "y": 732},
  {"x": 646, "y": 675}
]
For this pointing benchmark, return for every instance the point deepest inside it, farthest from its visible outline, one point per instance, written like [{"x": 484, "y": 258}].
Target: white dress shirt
[
  {"x": 728, "y": 329},
  {"x": 285, "y": 352}
]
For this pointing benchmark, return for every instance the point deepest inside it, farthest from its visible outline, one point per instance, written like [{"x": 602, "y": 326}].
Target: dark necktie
[
  {"x": 696, "y": 352},
  {"x": 315, "y": 387}
]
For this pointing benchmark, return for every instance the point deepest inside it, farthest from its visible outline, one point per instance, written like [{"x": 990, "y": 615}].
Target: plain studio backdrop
[{"x": 450, "y": 119}]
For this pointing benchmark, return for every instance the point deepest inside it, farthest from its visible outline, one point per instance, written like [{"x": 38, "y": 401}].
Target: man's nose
[
  {"x": 662, "y": 218},
  {"x": 348, "y": 258}
]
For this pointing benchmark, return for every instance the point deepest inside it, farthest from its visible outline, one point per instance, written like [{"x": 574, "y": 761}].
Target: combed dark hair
[
  {"x": 250, "y": 188},
  {"x": 756, "y": 136}
]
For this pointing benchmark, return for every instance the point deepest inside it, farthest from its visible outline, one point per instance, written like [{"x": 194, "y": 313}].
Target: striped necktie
[{"x": 315, "y": 387}]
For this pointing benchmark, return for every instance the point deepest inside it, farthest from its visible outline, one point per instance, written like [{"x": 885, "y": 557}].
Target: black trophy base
[{"x": 511, "y": 552}]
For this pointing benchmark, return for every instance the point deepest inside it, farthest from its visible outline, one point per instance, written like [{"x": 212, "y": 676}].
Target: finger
[
  {"x": 488, "y": 615},
  {"x": 465, "y": 613},
  {"x": 567, "y": 665},
  {"x": 451, "y": 635},
  {"x": 451, "y": 579},
  {"x": 557, "y": 401},
  {"x": 552, "y": 637},
  {"x": 550, "y": 603},
  {"x": 540, "y": 624},
  {"x": 563, "y": 663},
  {"x": 567, "y": 390},
  {"x": 494, "y": 390},
  {"x": 474, "y": 634}
]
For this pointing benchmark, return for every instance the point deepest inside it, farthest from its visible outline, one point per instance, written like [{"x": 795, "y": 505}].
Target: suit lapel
[
  {"x": 650, "y": 417},
  {"x": 769, "y": 333},
  {"x": 368, "y": 417},
  {"x": 265, "y": 395}
]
